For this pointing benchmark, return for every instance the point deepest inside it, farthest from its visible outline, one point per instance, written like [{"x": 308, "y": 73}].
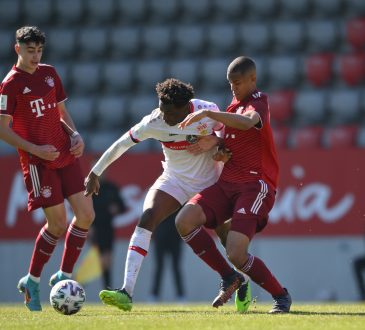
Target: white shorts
[{"x": 176, "y": 188}]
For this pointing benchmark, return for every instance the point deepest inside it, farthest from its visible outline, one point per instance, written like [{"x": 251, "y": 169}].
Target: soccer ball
[{"x": 67, "y": 297}]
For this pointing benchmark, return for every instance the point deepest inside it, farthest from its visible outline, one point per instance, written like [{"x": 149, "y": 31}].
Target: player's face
[
  {"x": 29, "y": 55},
  {"x": 173, "y": 115},
  {"x": 242, "y": 84}
]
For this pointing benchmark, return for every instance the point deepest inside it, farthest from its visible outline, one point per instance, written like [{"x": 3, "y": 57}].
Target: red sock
[
  {"x": 75, "y": 239},
  {"x": 43, "y": 249},
  {"x": 204, "y": 247},
  {"x": 261, "y": 275}
]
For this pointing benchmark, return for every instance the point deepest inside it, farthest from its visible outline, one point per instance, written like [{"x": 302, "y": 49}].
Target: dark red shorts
[
  {"x": 247, "y": 204},
  {"x": 49, "y": 187}
]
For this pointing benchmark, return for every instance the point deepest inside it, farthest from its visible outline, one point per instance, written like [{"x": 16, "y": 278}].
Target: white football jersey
[{"x": 198, "y": 171}]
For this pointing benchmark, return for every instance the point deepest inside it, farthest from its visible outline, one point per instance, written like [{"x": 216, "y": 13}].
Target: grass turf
[{"x": 97, "y": 316}]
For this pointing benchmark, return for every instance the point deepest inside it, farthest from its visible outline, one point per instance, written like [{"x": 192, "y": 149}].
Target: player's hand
[
  {"x": 77, "y": 146},
  {"x": 204, "y": 144},
  {"x": 47, "y": 152},
  {"x": 193, "y": 118},
  {"x": 222, "y": 155},
  {"x": 91, "y": 184}
]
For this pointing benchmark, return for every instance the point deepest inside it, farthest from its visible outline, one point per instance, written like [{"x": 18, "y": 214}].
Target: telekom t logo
[{"x": 39, "y": 107}]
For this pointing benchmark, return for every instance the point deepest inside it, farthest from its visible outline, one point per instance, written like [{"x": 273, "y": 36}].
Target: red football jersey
[
  {"x": 253, "y": 151},
  {"x": 31, "y": 100}
]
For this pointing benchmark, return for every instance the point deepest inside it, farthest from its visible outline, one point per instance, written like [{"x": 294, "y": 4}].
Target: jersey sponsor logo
[
  {"x": 203, "y": 129},
  {"x": 38, "y": 106},
  {"x": 181, "y": 145},
  {"x": 3, "y": 102},
  {"x": 256, "y": 95},
  {"x": 26, "y": 90},
  {"x": 50, "y": 81}
]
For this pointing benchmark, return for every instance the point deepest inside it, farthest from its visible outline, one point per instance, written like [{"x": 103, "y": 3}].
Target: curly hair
[
  {"x": 174, "y": 91},
  {"x": 30, "y": 34}
]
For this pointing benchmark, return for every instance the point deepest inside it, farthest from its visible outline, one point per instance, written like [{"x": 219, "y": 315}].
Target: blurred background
[{"x": 310, "y": 57}]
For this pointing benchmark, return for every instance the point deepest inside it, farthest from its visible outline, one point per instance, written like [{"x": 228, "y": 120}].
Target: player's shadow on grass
[{"x": 327, "y": 313}]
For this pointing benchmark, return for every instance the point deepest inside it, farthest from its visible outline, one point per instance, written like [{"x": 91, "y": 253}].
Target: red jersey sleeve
[
  {"x": 262, "y": 109},
  {"x": 8, "y": 92},
  {"x": 60, "y": 92}
]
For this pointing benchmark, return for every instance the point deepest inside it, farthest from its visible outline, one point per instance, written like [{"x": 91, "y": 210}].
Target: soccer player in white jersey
[{"x": 184, "y": 174}]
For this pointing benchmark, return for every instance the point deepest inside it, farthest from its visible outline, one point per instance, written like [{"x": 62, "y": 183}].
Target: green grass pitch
[{"x": 187, "y": 317}]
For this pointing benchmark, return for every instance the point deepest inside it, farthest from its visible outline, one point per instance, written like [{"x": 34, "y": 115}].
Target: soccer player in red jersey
[
  {"x": 245, "y": 191},
  {"x": 32, "y": 100}
]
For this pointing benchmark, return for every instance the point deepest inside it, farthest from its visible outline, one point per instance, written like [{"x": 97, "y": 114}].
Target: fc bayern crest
[
  {"x": 50, "y": 81},
  {"x": 46, "y": 191}
]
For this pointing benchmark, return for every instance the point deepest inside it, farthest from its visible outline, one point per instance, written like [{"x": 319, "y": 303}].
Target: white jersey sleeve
[{"x": 137, "y": 133}]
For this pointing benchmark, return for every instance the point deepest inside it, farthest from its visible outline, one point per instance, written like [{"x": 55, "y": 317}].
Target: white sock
[
  {"x": 138, "y": 248},
  {"x": 34, "y": 279}
]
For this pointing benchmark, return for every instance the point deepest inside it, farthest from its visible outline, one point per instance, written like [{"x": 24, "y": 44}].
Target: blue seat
[
  {"x": 11, "y": 14},
  {"x": 148, "y": 74},
  {"x": 124, "y": 42},
  {"x": 61, "y": 50},
  {"x": 81, "y": 110},
  {"x": 310, "y": 107},
  {"x": 110, "y": 112},
  {"x": 85, "y": 77},
  {"x": 92, "y": 42},
  {"x": 189, "y": 39},
  {"x": 322, "y": 35},
  {"x": 221, "y": 39},
  {"x": 69, "y": 11},
  {"x": 185, "y": 70},
  {"x": 117, "y": 76},
  {"x": 156, "y": 41}
]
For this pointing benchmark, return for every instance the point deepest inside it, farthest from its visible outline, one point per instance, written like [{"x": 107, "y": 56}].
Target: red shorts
[
  {"x": 247, "y": 204},
  {"x": 49, "y": 187}
]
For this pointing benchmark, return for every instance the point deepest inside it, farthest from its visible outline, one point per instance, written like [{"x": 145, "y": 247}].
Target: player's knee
[
  {"x": 189, "y": 218},
  {"x": 57, "y": 228},
  {"x": 85, "y": 217},
  {"x": 237, "y": 257},
  {"x": 149, "y": 219}
]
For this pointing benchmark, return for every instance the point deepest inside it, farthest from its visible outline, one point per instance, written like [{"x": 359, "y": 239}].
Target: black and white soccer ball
[{"x": 67, "y": 297}]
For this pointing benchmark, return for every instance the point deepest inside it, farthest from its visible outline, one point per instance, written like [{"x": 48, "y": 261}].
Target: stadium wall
[{"x": 314, "y": 235}]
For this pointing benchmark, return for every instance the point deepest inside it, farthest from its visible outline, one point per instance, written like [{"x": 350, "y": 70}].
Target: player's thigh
[
  {"x": 252, "y": 207},
  {"x": 158, "y": 205},
  {"x": 44, "y": 187},
  {"x": 215, "y": 204},
  {"x": 56, "y": 219},
  {"x": 82, "y": 207},
  {"x": 72, "y": 178},
  {"x": 223, "y": 230}
]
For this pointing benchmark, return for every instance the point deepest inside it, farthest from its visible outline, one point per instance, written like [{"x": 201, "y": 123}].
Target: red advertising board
[{"x": 320, "y": 194}]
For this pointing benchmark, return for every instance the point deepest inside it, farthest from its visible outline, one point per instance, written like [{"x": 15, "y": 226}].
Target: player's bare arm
[
  {"x": 77, "y": 143},
  {"x": 47, "y": 152},
  {"x": 240, "y": 121}
]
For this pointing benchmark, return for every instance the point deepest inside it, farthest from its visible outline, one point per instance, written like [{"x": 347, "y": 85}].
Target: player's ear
[
  {"x": 17, "y": 48},
  {"x": 253, "y": 76}
]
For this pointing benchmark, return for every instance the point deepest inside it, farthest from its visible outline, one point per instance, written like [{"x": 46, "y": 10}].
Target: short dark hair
[
  {"x": 30, "y": 34},
  {"x": 174, "y": 91},
  {"x": 241, "y": 65}
]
